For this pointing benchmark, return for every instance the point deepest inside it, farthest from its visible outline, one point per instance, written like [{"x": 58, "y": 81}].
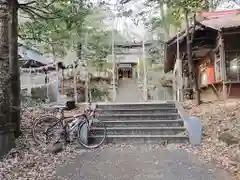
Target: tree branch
[
  {"x": 37, "y": 9},
  {"x": 39, "y": 12},
  {"x": 50, "y": 4},
  {"x": 34, "y": 2},
  {"x": 26, "y": 4},
  {"x": 32, "y": 13},
  {"x": 28, "y": 38},
  {"x": 33, "y": 39}
]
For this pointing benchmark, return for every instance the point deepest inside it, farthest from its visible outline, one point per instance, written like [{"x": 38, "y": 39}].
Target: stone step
[
  {"x": 145, "y": 123},
  {"x": 138, "y": 111},
  {"x": 159, "y": 116},
  {"x": 144, "y": 139},
  {"x": 112, "y": 106},
  {"x": 141, "y": 130}
]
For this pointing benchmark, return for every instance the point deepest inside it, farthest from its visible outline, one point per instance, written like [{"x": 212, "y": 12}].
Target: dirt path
[{"x": 128, "y": 91}]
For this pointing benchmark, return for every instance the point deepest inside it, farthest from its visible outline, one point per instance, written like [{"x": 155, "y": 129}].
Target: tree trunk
[
  {"x": 166, "y": 25},
  {"x": 7, "y": 140},
  {"x": 14, "y": 65}
]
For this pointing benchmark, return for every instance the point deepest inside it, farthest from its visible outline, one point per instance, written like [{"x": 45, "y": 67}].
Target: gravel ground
[{"x": 152, "y": 162}]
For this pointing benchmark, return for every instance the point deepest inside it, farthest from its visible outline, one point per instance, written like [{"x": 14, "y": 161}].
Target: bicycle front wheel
[
  {"x": 92, "y": 136},
  {"x": 47, "y": 129}
]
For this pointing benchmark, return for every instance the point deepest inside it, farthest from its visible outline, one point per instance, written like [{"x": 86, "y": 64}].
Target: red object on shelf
[{"x": 210, "y": 75}]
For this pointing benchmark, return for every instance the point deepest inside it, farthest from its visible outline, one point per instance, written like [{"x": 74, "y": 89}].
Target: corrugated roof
[
  {"x": 26, "y": 53},
  {"x": 223, "y": 22},
  {"x": 217, "y": 14}
]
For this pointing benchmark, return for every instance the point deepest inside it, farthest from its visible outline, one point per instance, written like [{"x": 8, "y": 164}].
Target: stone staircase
[{"x": 143, "y": 123}]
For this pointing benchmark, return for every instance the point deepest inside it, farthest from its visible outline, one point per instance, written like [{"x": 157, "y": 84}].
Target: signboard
[
  {"x": 128, "y": 51},
  {"x": 125, "y": 65}
]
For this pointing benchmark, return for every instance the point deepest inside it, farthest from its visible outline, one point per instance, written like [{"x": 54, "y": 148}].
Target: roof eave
[{"x": 209, "y": 26}]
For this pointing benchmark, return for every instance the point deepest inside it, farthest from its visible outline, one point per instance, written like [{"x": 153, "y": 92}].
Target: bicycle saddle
[{"x": 70, "y": 105}]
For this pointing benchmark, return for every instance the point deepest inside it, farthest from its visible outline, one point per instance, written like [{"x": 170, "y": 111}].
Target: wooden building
[
  {"x": 215, "y": 56},
  {"x": 128, "y": 56}
]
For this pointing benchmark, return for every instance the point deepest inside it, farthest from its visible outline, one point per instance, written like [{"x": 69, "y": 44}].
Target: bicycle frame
[
  {"x": 47, "y": 131},
  {"x": 87, "y": 117},
  {"x": 71, "y": 129},
  {"x": 90, "y": 114},
  {"x": 78, "y": 122}
]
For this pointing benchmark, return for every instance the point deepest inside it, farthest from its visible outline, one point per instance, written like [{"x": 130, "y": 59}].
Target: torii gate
[{"x": 128, "y": 55}]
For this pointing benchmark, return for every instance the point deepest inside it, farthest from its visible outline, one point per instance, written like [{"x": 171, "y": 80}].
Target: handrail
[{"x": 192, "y": 123}]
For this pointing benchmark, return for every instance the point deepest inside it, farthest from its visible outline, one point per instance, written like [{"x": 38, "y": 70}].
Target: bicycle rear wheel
[
  {"x": 47, "y": 129},
  {"x": 92, "y": 136}
]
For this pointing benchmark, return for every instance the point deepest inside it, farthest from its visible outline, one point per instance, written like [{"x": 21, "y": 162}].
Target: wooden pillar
[
  {"x": 174, "y": 85},
  {"x": 29, "y": 87},
  {"x": 223, "y": 67},
  {"x": 182, "y": 79},
  {"x": 46, "y": 82},
  {"x": 62, "y": 82},
  {"x": 176, "y": 81},
  {"x": 180, "y": 71},
  {"x": 193, "y": 73},
  {"x": 196, "y": 83},
  {"x": 188, "y": 47},
  {"x": 75, "y": 83},
  {"x": 86, "y": 85}
]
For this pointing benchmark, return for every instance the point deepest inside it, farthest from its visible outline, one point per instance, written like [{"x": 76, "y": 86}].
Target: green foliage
[
  {"x": 168, "y": 18},
  {"x": 98, "y": 94},
  {"x": 54, "y": 26},
  {"x": 68, "y": 25},
  {"x": 163, "y": 24},
  {"x": 189, "y": 5},
  {"x": 177, "y": 8},
  {"x": 50, "y": 34},
  {"x": 98, "y": 48}
]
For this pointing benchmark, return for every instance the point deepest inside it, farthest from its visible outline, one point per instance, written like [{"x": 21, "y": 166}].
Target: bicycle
[{"x": 85, "y": 126}]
